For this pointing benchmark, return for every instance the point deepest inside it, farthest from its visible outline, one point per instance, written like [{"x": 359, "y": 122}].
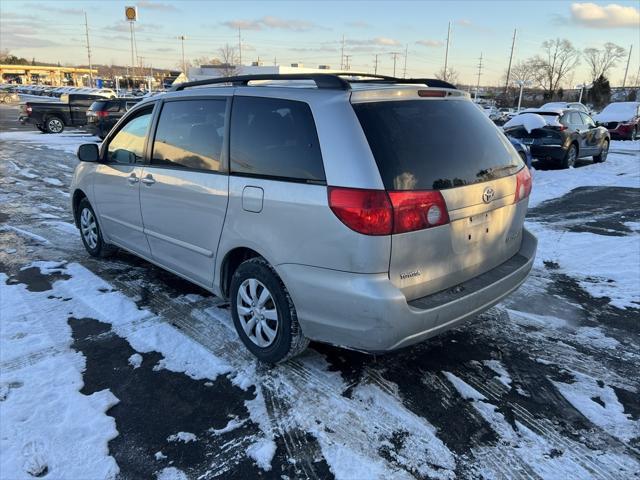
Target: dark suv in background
[
  {"x": 560, "y": 136},
  {"x": 104, "y": 114}
]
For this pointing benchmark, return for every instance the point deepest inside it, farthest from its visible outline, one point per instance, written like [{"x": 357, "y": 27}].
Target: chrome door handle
[
  {"x": 132, "y": 179},
  {"x": 148, "y": 180}
]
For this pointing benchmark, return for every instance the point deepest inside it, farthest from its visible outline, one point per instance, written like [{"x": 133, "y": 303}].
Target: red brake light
[
  {"x": 417, "y": 210},
  {"x": 29, "y": 109},
  {"x": 523, "y": 184},
  {"x": 431, "y": 93},
  {"x": 365, "y": 211},
  {"x": 102, "y": 114},
  {"x": 377, "y": 212}
]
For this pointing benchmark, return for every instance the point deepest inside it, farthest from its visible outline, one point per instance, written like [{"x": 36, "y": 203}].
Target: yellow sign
[{"x": 131, "y": 13}]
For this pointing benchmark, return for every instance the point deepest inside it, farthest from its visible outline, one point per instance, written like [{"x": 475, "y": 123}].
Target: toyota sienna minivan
[{"x": 367, "y": 212}]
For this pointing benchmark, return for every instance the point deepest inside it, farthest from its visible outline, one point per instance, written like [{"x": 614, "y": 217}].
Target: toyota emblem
[{"x": 488, "y": 194}]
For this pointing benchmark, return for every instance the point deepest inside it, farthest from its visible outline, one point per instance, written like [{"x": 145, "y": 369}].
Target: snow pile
[
  {"x": 262, "y": 452},
  {"x": 185, "y": 437},
  {"x": 532, "y": 121},
  {"x": 618, "y": 112}
]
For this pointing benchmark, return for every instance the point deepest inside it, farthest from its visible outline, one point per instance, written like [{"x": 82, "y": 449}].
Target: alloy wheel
[
  {"x": 257, "y": 312},
  {"x": 89, "y": 228},
  {"x": 55, "y": 125}
]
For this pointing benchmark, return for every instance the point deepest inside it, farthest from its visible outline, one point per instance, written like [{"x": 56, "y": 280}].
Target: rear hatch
[
  {"x": 446, "y": 148},
  {"x": 549, "y": 134}
]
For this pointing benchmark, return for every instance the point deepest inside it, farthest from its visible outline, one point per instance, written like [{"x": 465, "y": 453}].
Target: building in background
[{"x": 46, "y": 75}]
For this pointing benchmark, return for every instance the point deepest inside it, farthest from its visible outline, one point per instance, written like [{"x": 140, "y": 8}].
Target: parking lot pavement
[{"x": 115, "y": 367}]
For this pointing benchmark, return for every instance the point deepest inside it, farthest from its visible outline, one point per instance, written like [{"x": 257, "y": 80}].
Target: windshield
[{"x": 435, "y": 144}]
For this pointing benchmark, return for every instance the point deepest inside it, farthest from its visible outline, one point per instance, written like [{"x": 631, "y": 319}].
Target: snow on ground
[
  {"x": 618, "y": 171},
  {"x": 67, "y": 141}
]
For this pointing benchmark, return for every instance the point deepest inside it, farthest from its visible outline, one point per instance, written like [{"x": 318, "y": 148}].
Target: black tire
[
  {"x": 100, "y": 249},
  {"x": 634, "y": 133},
  {"x": 54, "y": 124},
  {"x": 41, "y": 128},
  {"x": 604, "y": 152},
  {"x": 289, "y": 340},
  {"x": 570, "y": 157}
]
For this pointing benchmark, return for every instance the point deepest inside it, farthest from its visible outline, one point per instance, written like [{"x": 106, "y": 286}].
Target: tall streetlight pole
[
  {"x": 513, "y": 44},
  {"x": 626, "y": 70},
  {"x": 446, "y": 53},
  {"x": 182, "y": 38},
  {"x": 86, "y": 30},
  {"x": 522, "y": 84}
]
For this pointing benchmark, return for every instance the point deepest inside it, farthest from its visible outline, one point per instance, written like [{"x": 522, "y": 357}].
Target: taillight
[
  {"x": 523, "y": 184},
  {"x": 102, "y": 114},
  {"x": 432, "y": 93},
  {"x": 417, "y": 210},
  {"x": 365, "y": 211},
  {"x": 29, "y": 109},
  {"x": 377, "y": 212}
]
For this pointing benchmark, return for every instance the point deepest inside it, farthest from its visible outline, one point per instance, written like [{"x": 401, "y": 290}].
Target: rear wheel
[
  {"x": 634, "y": 133},
  {"x": 54, "y": 125},
  {"x": 570, "y": 158},
  {"x": 263, "y": 313},
  {"x": 602, "y": 156},
  {"x": 90, "y": 231}
]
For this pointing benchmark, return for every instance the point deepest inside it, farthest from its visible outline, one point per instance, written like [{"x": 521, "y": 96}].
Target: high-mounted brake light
[
  {"x": 523, "y": 184},
  {"x": 432, "y": 93},
  {"x": 377, "y": 212}
]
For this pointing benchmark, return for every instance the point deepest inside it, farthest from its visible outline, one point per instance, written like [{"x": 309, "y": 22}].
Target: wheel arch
[
  {"x": 230, "y": 263},
  {"x": 78, "y": 195}
]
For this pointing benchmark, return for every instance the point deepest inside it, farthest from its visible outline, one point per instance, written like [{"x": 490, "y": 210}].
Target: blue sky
[{"x": 311, "y": 31}]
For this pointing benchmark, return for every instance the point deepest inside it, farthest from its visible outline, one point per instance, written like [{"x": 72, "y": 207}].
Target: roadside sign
[{"x": 131, "y": 13}]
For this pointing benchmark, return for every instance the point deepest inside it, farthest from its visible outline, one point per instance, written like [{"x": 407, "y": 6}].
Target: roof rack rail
[
  {"x": 322, "y": 80},
  {"x": 333, "y": 81}
]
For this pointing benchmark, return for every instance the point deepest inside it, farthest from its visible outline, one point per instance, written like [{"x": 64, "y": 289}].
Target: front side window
[
  {"x": 128, "y": 144},
  {"x": 190, "y": 134},
  {"x": 276, "y": 138},
  {"x": 587, "y": 120}
]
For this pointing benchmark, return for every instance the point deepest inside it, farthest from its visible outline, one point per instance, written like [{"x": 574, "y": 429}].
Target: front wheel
[
  {"x": 90, "y": 231},
  {"x": 602, "y": 156},
  {"x": 263, "y": 313},
  {"x": 54, "y": 125}
]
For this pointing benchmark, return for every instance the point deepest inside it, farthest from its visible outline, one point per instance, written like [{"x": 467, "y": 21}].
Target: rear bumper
[
  {"x": 548, "y": 152},
  {"x": 367, "y": 312},
  {"x": 621, "y": 131}
]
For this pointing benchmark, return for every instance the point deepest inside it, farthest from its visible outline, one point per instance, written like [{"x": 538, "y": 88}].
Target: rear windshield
[
  {"x": 96, "y": 106},
  {"x": 435, "y": 144}
]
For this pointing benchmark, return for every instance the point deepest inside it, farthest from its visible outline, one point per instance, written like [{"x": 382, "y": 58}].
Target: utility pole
[
  {"x": 375, "y": 65},
  {"x": 624, "y": 81},
  {"x": 513, "y": 44},
  {"x": 132, "y": 57},
  {"x": 395, "y": 57},
  {"x": 347, "y": 62},
  {"x": 479, "y": 74},
  {"x": 406, "y": 53},
  {"x": 446, "y": 53},
  {"x": 342, "y": 54},
  {"x": 239, "y": 47},
  {"x": 86, "y": 30},
  {"x": 182, "y": 38}
]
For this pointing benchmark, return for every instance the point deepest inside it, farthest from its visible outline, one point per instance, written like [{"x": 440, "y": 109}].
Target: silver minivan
[{"x": 363, "y": 211}]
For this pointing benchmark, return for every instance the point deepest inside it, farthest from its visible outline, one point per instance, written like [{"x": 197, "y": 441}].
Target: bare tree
[
  {"x": 600, "y": 61},
  {"x": 228, "y": 61},
  {"x": 522, "y": 71},
  {"x": 558, "y": 59},
  {"x": 450, "y": 75}
]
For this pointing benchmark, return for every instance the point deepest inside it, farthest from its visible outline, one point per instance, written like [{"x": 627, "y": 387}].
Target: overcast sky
[{"x": 311, "y": 32}]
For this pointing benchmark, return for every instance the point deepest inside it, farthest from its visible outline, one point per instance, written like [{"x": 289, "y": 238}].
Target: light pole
[
  {"x": 182, "y": 38},
  {"x": 521, "y": 84},
  {"x": 582, "y": 86}
]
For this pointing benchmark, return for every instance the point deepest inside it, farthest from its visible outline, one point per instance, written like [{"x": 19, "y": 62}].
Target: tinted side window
[
  {"x": 128, "y": 144},
  {"x": 586, "y": 119},
  {"x": 189, "y": 134},
  {"x": 574, "y": 118},
  {"x": 275, "y": 138}
]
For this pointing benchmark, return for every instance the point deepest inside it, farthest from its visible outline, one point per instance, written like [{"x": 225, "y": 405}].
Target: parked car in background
[
  {"x": 560, "y": 136},
  {"x": 523, "y": 150},
  {"x": 622, "y": 119},
  {"x": 53, "y": 117},
  {"x": 104, "y": 114},
  {"x": 335, "y": 212},
  {"x": 565, "y": 105}
]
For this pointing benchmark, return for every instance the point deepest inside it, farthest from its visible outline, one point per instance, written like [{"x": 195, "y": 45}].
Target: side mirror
[{"x": 88, "y": 152}]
